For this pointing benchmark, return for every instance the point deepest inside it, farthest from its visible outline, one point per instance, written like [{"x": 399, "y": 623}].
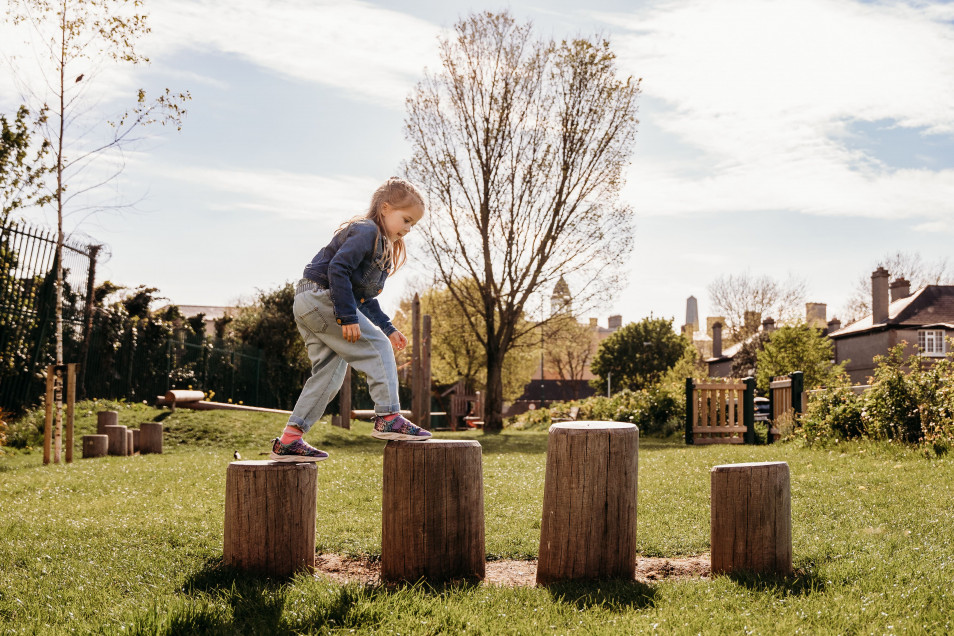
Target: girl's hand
[
  {"x": 351, "y": 333},
  {"x": 398, "y": 341}
]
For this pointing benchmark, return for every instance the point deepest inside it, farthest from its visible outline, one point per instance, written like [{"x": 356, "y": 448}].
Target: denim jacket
[{"x": 354, "y": 267}]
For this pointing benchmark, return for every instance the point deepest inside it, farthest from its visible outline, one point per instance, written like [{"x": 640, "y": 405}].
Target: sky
[{"x": 788, "y": 139}]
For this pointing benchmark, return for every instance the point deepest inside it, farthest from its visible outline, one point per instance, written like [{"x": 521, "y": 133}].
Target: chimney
[
  {"x": 711, "y": 321},
  {"x": 816, "y": 315},
  {"x": 879, "y": 296},
  {"x": 593, "y": 323},
  {"x": 717, "y": 340},
  {"x": 615, "y": 322},
  {"x": 768, "y": 325},
  {"x": 834, "y": 325},
  {"x": 900, "y": 288}
]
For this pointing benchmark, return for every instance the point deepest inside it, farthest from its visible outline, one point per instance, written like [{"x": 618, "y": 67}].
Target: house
[{"x": 923, "y": 319}]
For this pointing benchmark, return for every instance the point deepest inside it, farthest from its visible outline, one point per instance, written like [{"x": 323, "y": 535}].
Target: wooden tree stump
[
  {"x": 588, "y": 529},
  {"x": 95, "y": 445},
  {"x": 270, "y": 516},
  {"x": 129, "y": 441},
  {"x": 433, "y": 511},
  {"x": 135, "y": 433},
  {"x": 117, "y": 438},
  {"x": 751, "y": 513},
  {"x": 150, "y": 437},
  {"x": 104, "y": 419}
]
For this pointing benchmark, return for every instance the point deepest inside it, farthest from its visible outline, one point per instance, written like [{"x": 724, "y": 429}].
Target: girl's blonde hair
[{"x": 398, "y": 193}]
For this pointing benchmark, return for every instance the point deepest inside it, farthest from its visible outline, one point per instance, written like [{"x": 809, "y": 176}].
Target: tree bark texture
[
  {"x": 104, "y": 419},
  {"x": 751, "y": 518},
  {"x": 433, "y": 511},
  {"x": 150, "y": 437},
  {"x": 95, "y": 446},
  {"x": 588, "y": 529},
  {"x": 270, "y": 517},
  {"x": 117, "y": 439}
]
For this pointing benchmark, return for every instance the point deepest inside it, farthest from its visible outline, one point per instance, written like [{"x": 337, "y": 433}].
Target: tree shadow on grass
[
  {"x": 615, "y": 595},
  {"x": 801, "y": 582}
]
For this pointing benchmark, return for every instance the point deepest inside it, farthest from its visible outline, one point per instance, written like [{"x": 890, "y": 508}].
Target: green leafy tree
[
  {"x": 74, "y": 41},
  {"x": 22, "y": 165},
  {"x": 798, "y": 347},
  {"x": 637, "y": 355},
  {"x": 520, "y": 145}
]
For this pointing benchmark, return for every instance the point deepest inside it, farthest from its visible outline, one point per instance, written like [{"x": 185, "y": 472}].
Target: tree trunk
[{"x": 493, "y": 396}]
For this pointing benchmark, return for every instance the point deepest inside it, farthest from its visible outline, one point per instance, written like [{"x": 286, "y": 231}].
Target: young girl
[{"x": 342, "y": 322}]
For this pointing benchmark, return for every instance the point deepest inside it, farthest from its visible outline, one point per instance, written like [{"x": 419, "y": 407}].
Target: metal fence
[
  {"x": 132, "y": 361},
  {"x": 27, "y": 307}
]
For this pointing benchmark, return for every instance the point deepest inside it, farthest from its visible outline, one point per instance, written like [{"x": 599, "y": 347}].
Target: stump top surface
[
  {"x": 592, "y": 425},
  {"x": 115, "y": 426},
  {"x": 434, "y": 443},
  {"x": 746, "y": 466},
  {"x": 265, "y": 464},
  {"x": 95, "y": 435}
]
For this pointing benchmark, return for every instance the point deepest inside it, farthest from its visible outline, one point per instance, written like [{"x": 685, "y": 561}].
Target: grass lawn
[{"x": 132, "y": 544}]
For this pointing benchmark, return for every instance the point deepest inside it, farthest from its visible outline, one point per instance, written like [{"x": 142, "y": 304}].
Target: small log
[
  {"x": 117, "y": 439},
  {"x": 270, "y": 517},
  {"x": 178, "y": 396},
  {"x": 751, "y": 518},
  {"x": 432, "y": 511},
  {"x": 135, "y": 433},
  {"x": 150, "y": 437},
  {"x": 129, "y": 441},
  {"x": 588, "y": 529},
  {"x": 104, "y": 419},
  {"x": 95, "y": 446}
]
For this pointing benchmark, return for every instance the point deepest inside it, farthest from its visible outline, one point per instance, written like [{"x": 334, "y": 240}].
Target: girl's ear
[{"x": 385, "y": 207}]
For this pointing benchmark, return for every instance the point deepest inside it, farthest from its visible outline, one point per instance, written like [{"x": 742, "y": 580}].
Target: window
[{"x": 931, "y": 342}]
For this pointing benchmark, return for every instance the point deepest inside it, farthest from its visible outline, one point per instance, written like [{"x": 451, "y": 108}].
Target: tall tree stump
[
  {"x": 130, "y": 440},
  {"x": 135, "y": 433},
  {"x": 588, "y": 529},
  {"x": 270, "y": 516},
  {"x": 433, "y": 511},
  {"x": 95, "y": 445},
  {"x": 104, "y": 419},
  {"x": 751, "y": 516},
  {"x": 117, "y": 438},
  {"x": 150, "y": 437}
]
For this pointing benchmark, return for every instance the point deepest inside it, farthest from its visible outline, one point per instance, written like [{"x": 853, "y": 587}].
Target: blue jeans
[{"x": 330, "y": 355}]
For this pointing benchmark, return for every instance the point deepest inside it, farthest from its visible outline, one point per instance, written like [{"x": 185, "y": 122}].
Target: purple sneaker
[
  {"x": 298, "y": 451},
  {"x": 398, "y": 428}
]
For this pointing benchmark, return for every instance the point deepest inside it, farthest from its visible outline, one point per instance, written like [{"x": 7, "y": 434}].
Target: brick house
[{"x": 923, "y": 319}]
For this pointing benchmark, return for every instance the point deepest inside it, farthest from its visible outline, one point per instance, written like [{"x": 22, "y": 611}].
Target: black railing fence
[{"x": 119, "y": 357}]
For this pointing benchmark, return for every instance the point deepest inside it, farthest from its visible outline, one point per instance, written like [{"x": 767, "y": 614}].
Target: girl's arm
[
  {"x": 359, "y": 242},
  {"x": 372, "y": 309}
]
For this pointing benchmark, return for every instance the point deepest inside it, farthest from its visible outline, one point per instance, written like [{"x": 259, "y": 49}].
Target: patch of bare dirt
[{"x": 512, "y": 573}]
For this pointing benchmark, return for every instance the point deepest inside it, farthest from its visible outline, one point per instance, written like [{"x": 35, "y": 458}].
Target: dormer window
[{"x": 931, "y": 342}]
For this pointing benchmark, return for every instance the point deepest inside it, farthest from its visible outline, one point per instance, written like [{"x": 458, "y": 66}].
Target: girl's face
[{"x": 399, "y": 221}]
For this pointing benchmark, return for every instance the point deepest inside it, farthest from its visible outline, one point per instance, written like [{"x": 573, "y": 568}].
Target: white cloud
[
  {"x": 765, "y": 91},
  {"x": 365, "y": 50}
]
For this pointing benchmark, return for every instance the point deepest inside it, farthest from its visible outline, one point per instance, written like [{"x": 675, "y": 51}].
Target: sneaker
[
  {"x": 398, "y": 428},
  {"x": 298, "y": 451}
]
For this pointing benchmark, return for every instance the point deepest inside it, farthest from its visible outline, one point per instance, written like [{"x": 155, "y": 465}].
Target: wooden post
[
  {"x": 432, "y": 511},
  {"x": 48, "y": 422},
  {"x": 70, "y": 408},
  {"x": 751, "y": 518},
  {"x": 270, "y": 517},
  {"x": 588, "y": 529},
  {"x": 748, "y": 409},
  {"x": 416, "y": 384},
  {"x": 95, "y": 446},
  {"x": 104, "y": 419},
  {"x": 690, "y": 409},
  {"x": 117, "y": 439},
  {"x": 344, "y": 399},
  {"x": 425, "y": 415},
  {"x": 135, "y": 433},
  {"x": 130, "y": 441},
  {"x": 150, "y": 437},
  {"x": 798, "y": 387}
]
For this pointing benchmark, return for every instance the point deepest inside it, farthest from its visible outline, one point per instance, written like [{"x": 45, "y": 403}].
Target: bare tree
[
  {"x": 75, "y": 41},
  {"x": 745, "y": 300},
  {"x": 908, "y": 265},
  {"x": 520, "y": 145},
  {"x": 569, "y": 346}
]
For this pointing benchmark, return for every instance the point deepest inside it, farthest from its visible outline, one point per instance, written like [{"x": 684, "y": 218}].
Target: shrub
[{"x": 835, "y": 412}]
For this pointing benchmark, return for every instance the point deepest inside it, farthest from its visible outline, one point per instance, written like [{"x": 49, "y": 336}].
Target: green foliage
[
  {"x": 637, "y": 355},
  {"x": 21, "y": 175},
  {"x": 797, "y": 347},
  {"x": 909, "y": 401},
  {"x": 268, "y": 324}
]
